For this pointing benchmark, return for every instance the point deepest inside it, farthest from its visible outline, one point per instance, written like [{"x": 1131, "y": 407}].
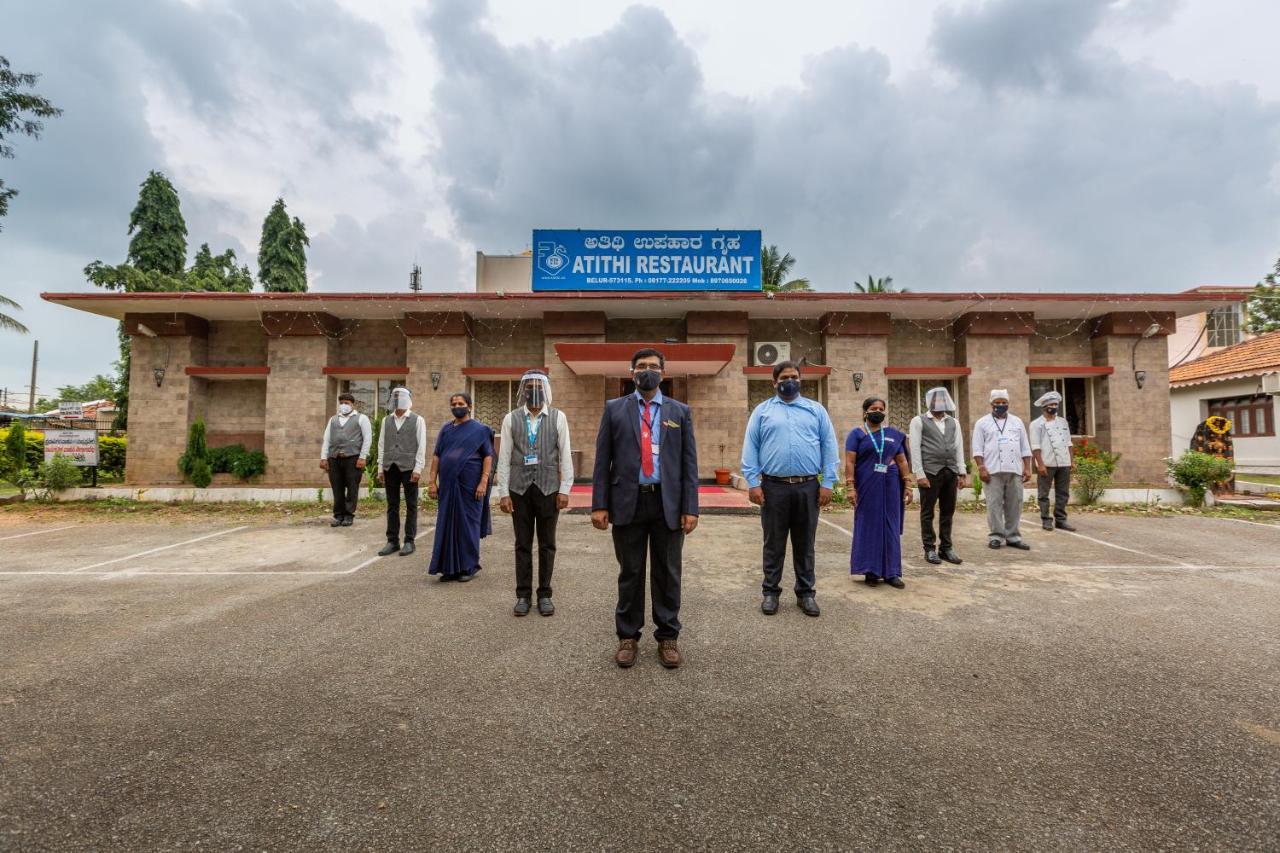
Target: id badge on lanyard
[{"x": 531, "y": 432}]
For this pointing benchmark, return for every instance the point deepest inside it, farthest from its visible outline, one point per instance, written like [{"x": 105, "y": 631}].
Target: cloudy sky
[{"x": 997, "y": 145}]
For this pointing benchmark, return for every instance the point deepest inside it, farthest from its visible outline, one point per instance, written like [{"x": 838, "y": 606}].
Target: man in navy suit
[{"x": 646, "y": 484}]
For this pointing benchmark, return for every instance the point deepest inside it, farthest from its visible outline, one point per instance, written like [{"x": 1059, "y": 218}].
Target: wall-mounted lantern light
[
  {"x": 435, "y": 380},
  {"x": 158, "y": 373},
  {"x": 1140, "y": 377},
  {"x": 857, "y": 381}
]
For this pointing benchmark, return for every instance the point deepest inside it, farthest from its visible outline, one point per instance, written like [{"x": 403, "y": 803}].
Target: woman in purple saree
[{"x": 459, "y": 480}]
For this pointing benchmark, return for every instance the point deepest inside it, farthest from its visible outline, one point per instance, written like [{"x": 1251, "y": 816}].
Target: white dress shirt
[
  {"x": 1002, "y": 445},
  {"x": 366, "y": 434},
  {"x": 915, "y": 433},
  {"x": 419, "y": 458},
  {"x": 1053, "y": 439},
  {"x": 501, "y": 488}
]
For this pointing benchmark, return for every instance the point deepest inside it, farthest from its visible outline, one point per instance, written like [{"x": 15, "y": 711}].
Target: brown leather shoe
[
  {"x": 669, "y": 654},
  {"x": 626, "y": 656}
]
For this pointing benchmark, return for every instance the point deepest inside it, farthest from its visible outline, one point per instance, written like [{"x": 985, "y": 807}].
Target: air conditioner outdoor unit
[
  {"x": 1271, "y": 383},
  {"x": 772, "y": 352}
]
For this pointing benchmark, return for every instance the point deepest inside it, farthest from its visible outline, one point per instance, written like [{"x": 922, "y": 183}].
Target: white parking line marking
[
  {"x": 158, "y": 550},
  {"x": 1246, "y": 521},
  {"x": 1130, "y": 550},
  {"x": 36, "y": 532},
  {"x": 849, "y": 533}
]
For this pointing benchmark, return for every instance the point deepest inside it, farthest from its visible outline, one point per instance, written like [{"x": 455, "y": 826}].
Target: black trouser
[
  {"x": 530, "y": 511},
  {"x": 942, "y": 491},
  {"x": 397, "y": 480},
  {"x": 344, "y": 479},
  {"x": 648, "y": 532},
  {"x": 789, "y": 510},
  {"x": 1058, "y": 479}
]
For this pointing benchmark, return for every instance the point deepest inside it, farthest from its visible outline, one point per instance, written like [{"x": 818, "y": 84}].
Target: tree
[
  {"x": 100, "y": 387},
  {"x": 1263, "y": 305},
  {"x": 20, "y": 113},
  {"x": 774, "y": 267},
  {"x": 282, "y": 253},
  {"x": 7, "y": 322},
  {"x": 878, "y": 285},
  {"x": 160, "y": 242},
  {"x": 218, "y": 273}
]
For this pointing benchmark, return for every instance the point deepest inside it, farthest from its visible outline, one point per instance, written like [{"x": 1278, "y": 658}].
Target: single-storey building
[{"x": 264, "y": 369}]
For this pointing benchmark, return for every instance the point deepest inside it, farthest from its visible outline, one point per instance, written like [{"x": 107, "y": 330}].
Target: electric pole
[{"x": 35, "y": 357}]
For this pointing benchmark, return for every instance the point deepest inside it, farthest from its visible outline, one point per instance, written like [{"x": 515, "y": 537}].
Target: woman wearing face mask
[
  {"x": 459, "y": 479},
  {"x": 876, "y": 476}
]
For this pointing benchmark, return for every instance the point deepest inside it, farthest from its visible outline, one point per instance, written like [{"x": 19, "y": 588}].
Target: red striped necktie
[{"x": 646, "y": 441}]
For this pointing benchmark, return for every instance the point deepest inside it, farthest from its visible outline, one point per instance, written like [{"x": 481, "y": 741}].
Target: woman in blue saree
[
  {"x": 876, "y": 470},
  {"x": 459, "y": 480}
]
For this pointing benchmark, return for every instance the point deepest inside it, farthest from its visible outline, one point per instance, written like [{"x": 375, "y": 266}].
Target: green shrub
[
  {"x": 201, "y": 476},
  {"x": 221, "y": 458},
  {"x": 59, "y": 474},
  {"x": 1197, "y": 472},
  {"x": 15, "y": 447},
  {"x": 197, "y": 452},
  {"x": 249, "y": 463},
  {"x": 112, "y": 451},
  {"x": 974, "y": 480},
  {"x": 1095, "y": 468}
]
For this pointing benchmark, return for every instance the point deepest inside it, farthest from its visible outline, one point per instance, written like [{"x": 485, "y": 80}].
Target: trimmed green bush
[
  {"x": 59, "y": 474},
  {"x": 201, "y": 476},
  {"x": 112, "y": 450},
  {"x": 1196, "y": 473},
  {"x": 249, "y": 463},
  {"x": 1094, "y": 469},
  {"x": 197, "y": 452}
]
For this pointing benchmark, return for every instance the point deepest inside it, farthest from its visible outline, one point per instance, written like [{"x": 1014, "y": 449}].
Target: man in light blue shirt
[{"x": 790, "y": 444}]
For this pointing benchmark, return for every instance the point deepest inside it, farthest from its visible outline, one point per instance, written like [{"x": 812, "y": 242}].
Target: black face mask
[
  {"x": 1051, "y": 410},
  {"x": 876, "y": 418},
  {"x": 459, "y": 411},
  {"x": 1000, "y": 411},
  {"x": 533, "y": 396},
  {"x": 789, "y": 389},
  {"x": 647, "y": 380}
]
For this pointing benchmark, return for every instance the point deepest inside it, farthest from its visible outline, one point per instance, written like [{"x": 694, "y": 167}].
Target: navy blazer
[{"x": 616, "y": 484}]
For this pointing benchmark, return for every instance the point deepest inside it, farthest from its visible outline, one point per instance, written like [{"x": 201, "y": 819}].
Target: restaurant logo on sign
[{"x": 646, "y": 260}]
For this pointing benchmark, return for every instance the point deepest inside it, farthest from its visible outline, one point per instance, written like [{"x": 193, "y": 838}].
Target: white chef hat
[
  {"x": 538, "y": 376},
  {"x": 1047, "y": 398},
  {"x": 948, "y": 405},
  {"x": 999, "y": 394}
]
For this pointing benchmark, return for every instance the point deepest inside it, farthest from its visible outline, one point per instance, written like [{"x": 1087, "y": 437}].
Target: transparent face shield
[
  {"x": 399, "y": 400},
  {"x": 535, "y": 390}
]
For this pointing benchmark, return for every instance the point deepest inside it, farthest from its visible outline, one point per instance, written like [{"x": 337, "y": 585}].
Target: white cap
[
  {"x": 999, "y": 394},
  {"x": 1047, "y": 398}
]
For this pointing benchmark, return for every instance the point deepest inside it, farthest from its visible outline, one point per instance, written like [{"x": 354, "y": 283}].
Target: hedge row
[{"x": 111, "y": 452}]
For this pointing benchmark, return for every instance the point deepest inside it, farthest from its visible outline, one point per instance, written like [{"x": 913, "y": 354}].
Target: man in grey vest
[
  {"x": 535, "y": 476},
  {"x": 402, "y": 453},
  {"x": 343, "y": 453},
  {"x": 938, "y": 464}
]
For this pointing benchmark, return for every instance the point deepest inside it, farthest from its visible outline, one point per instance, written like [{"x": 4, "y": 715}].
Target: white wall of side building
[
  {"x": 1188, "y": 407},
  {"x": 505, "y": 273}
]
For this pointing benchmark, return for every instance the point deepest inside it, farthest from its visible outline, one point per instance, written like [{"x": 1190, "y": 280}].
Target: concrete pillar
[
  {"x": 581, "y": 398},
  {"x": 854, "y": 344},
  {"x": 1133, "y": 421},
  {"x": 159, "y": 415},
  {"x": 997, "y": 349},
  {"x": 299, "y": 403},
  {"x": 719, "y": 402},
  {"x": 435, "y": 343}
]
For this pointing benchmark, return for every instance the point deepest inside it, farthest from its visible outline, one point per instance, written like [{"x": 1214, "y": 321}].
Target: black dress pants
[
  {"x": 648, "y": 534},
  {"x": 344, "y": 479},
  {"x": 534, "y": 512},
  {"x": 397, "y": 480},
  {"x": 790, "y": 511},
  {"x": 1058, "y": 481},
  {"x": 942, "y": 494}
]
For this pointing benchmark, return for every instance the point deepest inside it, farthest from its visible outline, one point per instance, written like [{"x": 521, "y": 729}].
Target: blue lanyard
[
  {"x": 531, "y": 426},
  {"x": 879, "y": 446}
]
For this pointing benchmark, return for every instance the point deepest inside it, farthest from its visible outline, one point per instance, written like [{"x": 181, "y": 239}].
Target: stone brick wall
[
  {"x": 371, "y": 343},
  {"x": 237, "y": 344},
  {"x": 720, "y": 411},
  {"x": 159, "y": 417},
  {"x": 1062, "y": 343},
  {"x": 847, "y": 354},
  {"x": 581, "y": 398},
  {"x": 919, "y": 345},
  {"x": 236, "y": 413},
  {"x": 805, "y": 337},
  {"x": 446, "y": 354},
  {"x": 1131, "y": 421},
  {"x": 655, "y": 329},
  {"x": 997, "y": 361},
  {"x": 298, "y": 401},
  {"x": 505, "y": 343}
]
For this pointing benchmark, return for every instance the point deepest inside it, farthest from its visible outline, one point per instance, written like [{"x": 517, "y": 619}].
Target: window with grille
[
  {"x": 493, "y": 399},
  {"x": 1077, "y": 401},
  {"x": 1222, "y": 326},
  {"x": 1251, "y": 417}
]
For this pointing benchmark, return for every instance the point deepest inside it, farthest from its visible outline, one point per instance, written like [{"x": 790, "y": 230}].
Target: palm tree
[
  {"x": 7, "y": 322},
  {"x": 774, "y": 268},
  {"x": 878, "y": 285}
]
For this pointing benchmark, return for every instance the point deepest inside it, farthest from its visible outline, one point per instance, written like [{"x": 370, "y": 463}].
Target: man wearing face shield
[
  {"x": 1002, "y": 453},
  {"x": 938, "y": 464},
  {"x": 402, "y": 454},
  {"x": 535, "y": 476},
  {"x": 342, "y": 454},
  {"x": 1055, "y": 460}
]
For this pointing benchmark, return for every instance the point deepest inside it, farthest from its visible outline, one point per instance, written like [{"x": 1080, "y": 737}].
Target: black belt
[
  {"x": 792, "y": 480},
  {"x": 649, "y": 488},
  {"x": 346, "y": 455}
]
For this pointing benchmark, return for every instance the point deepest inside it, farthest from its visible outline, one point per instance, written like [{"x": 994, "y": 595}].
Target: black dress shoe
[
  {"x": 809, "y": 605},
  {"x": 1020, "y": 545},
  {"x": 545, "y": 607},
  {"x": 993, "y": 544},
  {"x": 348, "y": 521},
  {"x": 896, "y": 583},
  {"x": 952, "y": 557},
  {"x": 871, "y": 580},
  {"x": 389, "y": 548},
  {"x": 464, "y": 578},
  {"x": 408, "y": 549},
  {"x": 1046, "y": 524},
  {"x": 769, "y": 605},
  {"x": 522, "y": 607},
  {"x": 931, "y": 556},
  {"x": 337, "y": 522},
  {"x": 1062, "y": 525}
]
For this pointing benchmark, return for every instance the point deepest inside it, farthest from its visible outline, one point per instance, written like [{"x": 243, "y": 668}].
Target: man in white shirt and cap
[
  {"x": 938, "y": 464},
  {"x": 1002, "y": 452},
  {"x": 402, "y": 454},
  {"x": 535, "y": 476},
  {"x": 1055, "y": 460},
  {"x": 343, "y": 454}
]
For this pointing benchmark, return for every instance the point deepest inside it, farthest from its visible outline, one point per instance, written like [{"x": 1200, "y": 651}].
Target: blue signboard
[{"x": 645, "y": 260}]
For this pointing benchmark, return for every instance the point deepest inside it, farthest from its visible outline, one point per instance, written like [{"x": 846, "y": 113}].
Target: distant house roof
[
  {"x": 1253, "y": 357},
  {"x": 91, "y": 408}
]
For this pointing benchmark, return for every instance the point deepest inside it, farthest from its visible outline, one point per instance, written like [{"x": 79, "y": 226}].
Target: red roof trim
[
  {"x": 928, "y": 371},
  {"x": 227, "y": 371},
  {"x": 807, "y": 370},
  {"x": 1069, "y": 370},
  {"x": 365, "y": 371},
  {"x": 514, "y": 372}
]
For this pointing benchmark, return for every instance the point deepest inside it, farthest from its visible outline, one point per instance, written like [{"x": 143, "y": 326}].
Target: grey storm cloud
[
  {"x": 378, "y": 256},
  {"x": 1040, "y": 160}
]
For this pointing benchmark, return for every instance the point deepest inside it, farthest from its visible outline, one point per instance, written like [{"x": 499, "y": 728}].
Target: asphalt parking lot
[{"x": 275, "y": 686}]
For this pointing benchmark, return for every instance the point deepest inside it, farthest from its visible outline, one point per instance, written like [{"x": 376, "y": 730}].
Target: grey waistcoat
[
  {"x": 546, "y": 474},
  {"x": 345, "y": 440},
  {"x": 399, "y": 447},
  {"x": 938, "y": 450}
]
